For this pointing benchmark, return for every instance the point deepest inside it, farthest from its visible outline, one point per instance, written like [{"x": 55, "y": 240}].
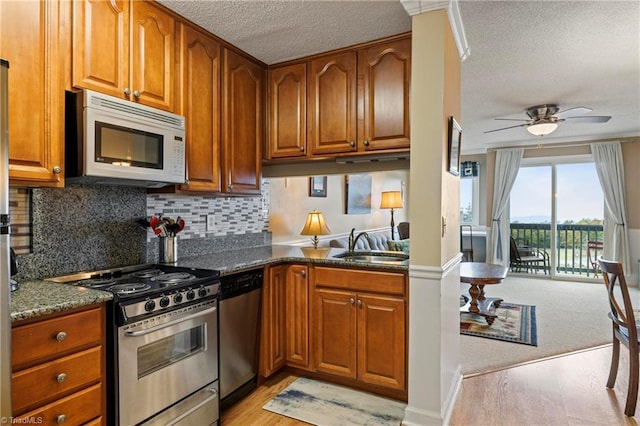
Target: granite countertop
[
  {"x": 35, "y": 298},
  {"x": 232, "y": 261}
]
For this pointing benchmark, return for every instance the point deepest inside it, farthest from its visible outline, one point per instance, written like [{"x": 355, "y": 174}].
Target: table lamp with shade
[
  {"x": 315, "y": 226},
  {"x": 391, "y": 200}
]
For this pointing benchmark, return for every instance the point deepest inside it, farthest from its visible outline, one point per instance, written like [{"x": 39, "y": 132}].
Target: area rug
[
  {"x": 515, "y": 323},
  {"x": 325, "y": 404}
]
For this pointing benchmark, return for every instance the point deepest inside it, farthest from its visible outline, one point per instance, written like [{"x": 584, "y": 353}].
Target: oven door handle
[
  {"x": 214, "y": 395},
  {"x": 168, "y": 324}
]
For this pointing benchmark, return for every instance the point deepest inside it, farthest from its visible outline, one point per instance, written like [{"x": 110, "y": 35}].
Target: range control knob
[
  {"x": 202, "y": 292},
  {"x": 164, "y": 302},
  {"x": 191, "y": 294},
  {"x": 177, "y": 298},
  {"x": 149, "y": 306}
]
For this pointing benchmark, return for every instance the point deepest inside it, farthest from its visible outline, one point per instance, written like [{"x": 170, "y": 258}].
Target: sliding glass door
[{"x": 555, "y": 210}]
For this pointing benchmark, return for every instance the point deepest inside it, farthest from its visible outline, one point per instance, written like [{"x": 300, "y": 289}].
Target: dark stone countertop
[
  {"x": 36, "y": 297},
  {"x": 233, "y": 261}
]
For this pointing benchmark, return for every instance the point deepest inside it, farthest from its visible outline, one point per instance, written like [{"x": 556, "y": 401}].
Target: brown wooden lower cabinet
[
  {"x": 59, "y": 368},
  {"x": 348, "y": 324}
]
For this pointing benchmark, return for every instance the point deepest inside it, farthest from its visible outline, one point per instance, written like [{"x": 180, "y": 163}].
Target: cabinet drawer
[
  {"x": 359, "y": 280},
  {"x": 78, "y": 408},
  {"x": 56, "y": 336},
  {"x": 47, "y": 381}
]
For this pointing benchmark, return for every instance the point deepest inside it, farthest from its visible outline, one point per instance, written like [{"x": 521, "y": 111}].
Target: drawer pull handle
[
  {"x": 61, "y": 378},
  {"x": 61, "y": 336},
  {"x": 62, "y": 418}
]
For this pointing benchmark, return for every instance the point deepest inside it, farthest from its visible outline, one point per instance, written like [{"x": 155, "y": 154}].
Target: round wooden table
[{"x": 477, "y": 275}]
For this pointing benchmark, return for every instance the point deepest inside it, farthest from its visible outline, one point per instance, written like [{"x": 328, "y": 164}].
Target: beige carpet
[{"x": 570, "y": 316}]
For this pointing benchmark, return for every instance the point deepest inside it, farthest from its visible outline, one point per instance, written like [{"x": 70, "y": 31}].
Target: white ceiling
[{"x": 523, "y": 53}]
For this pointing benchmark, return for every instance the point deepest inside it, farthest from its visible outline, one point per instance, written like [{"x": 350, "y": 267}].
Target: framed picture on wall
[
  {"x": 455, "y": 138},
  {"x": 318, "y": 186},
  {"x": 358, "y": 192}
]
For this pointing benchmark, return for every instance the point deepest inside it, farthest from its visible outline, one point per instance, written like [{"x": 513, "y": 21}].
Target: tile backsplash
[{"x": 84, "y": 227}]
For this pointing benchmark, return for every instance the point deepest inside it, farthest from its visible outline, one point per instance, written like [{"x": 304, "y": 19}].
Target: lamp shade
[
  {"x": 542, "y": 129},
  {"x": 315, "y": 225},
  {"x": 391, "y": 200}
]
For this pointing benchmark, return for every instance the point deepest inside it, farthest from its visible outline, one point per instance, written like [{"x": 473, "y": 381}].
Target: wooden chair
[
  {"x": 625, "y": 329},
  {"x": 403, "y": 230},
  {"x": 530, "y": 262},
  {"x": 593, "y": 249}
]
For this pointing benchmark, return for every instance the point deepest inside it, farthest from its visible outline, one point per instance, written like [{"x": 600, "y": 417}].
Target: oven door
[{"x": 161, "y": 364}]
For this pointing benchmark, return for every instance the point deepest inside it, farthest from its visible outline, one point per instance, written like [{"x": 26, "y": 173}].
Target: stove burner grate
[
  {"x": 97, "y": 282},
  {"x": 129, "y": 288},
  {"x": 148, "y": 273},
  {"x": 174, "y": 277}
]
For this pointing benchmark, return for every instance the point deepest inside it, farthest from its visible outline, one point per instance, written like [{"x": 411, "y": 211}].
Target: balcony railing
[{"x": 571, "y": 246}]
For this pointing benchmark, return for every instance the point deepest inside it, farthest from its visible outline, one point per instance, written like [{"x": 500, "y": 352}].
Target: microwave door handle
[
  {"x": 214, "y": 395},
  {"x": 169, "y": 324}
]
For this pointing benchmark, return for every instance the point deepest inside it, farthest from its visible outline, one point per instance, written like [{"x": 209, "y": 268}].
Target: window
[{"x": 469, "y": 199}]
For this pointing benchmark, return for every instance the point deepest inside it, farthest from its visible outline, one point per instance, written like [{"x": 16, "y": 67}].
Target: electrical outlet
[{"x": 211, "y": 222}]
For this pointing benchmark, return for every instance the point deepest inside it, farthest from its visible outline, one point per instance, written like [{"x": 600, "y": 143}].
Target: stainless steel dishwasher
[{"x": 239, "y": 309}]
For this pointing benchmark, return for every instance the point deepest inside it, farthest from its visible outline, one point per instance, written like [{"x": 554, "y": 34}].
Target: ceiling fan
[{"x": 544, "y": 119}]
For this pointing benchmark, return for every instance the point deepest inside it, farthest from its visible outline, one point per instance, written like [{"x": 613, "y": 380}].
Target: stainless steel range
[{"x": 162, "y": 344}]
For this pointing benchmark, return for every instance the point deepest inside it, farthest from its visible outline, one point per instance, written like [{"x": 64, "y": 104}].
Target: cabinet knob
[
  {"x": 359, "y": 303},
  {"x": 302, "y": 149},
  {"x": 60, "y": 378},
  {"x": 303, "y": 273},
  {"x": 352, "y": 143},
  {"x": 136, "y": 94},
  {"x": 127, "y": 91},
  {"x": 61, "y": 336},
  {"x": 365, "y": 143},
  {"x": 352, "y": 300},
  {"x": 230, "y": 186},
  {"x": 57, "y": 169},
  {"x": 62, "y": 418}
]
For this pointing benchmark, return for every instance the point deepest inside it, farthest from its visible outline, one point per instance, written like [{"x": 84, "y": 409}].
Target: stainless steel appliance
[
  {"x": 5, "y": 294},
  {"x": 162, "y": 344},
  {"x": 114, "y": 141},
  {"x": 239, "y": 325}
]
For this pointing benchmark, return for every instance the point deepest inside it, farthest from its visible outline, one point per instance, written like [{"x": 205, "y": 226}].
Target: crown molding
[{"x": 416, "y": 7}]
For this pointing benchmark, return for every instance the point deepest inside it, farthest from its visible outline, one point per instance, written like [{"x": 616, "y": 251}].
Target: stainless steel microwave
[{"x": 119, "y": 142}]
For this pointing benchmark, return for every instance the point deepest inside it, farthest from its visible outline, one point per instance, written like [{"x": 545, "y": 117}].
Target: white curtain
[
  {"x": 506, "y": 170},
  {"x": 610, "y": 169}
]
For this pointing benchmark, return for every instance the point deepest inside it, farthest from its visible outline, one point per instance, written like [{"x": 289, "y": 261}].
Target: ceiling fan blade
[
  {"x": 511, "y": 119},
  {"x": 589, "y": 119},
  {"x": 573, "y": 111},
  {"x": 505, "y": 128}
]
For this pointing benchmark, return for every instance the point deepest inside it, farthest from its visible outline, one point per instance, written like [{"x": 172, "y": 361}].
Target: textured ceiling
[{"x": 523, "y": 53}]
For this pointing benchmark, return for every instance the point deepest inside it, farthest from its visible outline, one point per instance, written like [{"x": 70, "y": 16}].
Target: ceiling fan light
[{"x": 542, "y": 129}]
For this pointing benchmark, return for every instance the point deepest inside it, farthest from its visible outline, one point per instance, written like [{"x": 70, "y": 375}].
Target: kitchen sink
[{"x": 373, "y": 256}]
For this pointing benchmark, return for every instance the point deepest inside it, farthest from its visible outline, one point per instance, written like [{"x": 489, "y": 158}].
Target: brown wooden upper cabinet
[
  {"x": 200, "y": 60},
  {"x": 125, "y": 49},
  {"x": 33, "y": 40},
  {"x": 242, "y": 87},
  {"x": 356, "y": 101}
]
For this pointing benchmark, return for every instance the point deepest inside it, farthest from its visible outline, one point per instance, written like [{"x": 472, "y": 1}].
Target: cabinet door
[
  {"x": 200, "y": 59},
  {"x": 335, "y": 332},
  {"x": 242, "y": 124},
  {"x": 332, "y": 113},
  {"x": 272, "y": 346},
  {"x": 101, "y": 46},
  {"x": 32, "y": 38},
  {"x": 297, "y": 318},
  {"x": 153, "y": 47},
  {"x": 288, "y": 111},
  {"x": 381, "y": 340},
  {"x": 386, "y": 71}
]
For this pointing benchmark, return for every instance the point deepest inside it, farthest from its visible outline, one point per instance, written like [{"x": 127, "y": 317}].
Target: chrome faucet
[{"x": 353, "y": 240}]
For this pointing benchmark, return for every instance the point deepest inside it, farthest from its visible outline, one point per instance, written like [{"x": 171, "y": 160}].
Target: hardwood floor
[{"x": 568, "y": 390}]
